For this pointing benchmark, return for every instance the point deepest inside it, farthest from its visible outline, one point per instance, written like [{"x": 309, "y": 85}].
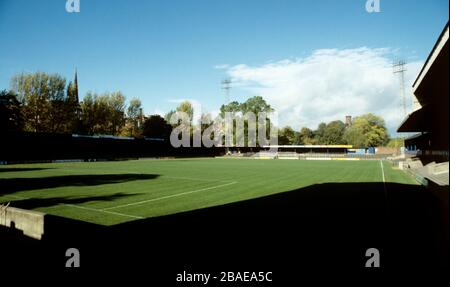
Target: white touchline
[
  {"x": 384, "y": 183},
  {"x": 82, "y": 207},
  {"x": 15, "y": 196},
  {"x": 195, "y": 179},
  {"x": 382, "y": 171},
  {"x": 104, "y": 211},
  {"x": 170, "y": 196}
]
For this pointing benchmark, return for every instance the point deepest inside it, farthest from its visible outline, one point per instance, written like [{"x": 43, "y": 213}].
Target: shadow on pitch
[
  {"x": 32, "y": 203},
  {"x": 11, "y": 185},
  {"x": 331, "y": 221},
  {"x": 322, "y": 225}
]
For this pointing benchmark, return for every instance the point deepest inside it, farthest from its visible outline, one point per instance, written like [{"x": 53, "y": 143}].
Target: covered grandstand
[
  {"x": 430, "y": 122},
  {"x": 328, "y": 149},
  {"x": 308, "y": 152},
  {"x": 429, "y": 145}
]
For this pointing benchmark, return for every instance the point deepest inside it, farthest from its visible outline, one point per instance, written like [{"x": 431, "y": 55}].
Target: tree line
[
  {"x": 46, "y": 103},
  {"x": 367, "y": 130},
  {"x": 41, "y": 102}
]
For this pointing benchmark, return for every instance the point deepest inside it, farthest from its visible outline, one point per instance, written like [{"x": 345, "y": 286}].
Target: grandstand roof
[
  {"x": 431, "y": 90},
  {"x": 416, "y": 121},
  {"x": 438, "y": 47}
]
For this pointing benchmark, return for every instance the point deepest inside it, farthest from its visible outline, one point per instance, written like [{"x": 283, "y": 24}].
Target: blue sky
[{"x": 165, "y": 51}]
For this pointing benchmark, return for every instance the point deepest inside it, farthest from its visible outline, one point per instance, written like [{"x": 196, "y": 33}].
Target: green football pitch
[{"x": 109, "y": 193}]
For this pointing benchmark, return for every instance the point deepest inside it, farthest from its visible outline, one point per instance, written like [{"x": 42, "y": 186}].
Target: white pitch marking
[
  {"x": 384, "y": 186},
  {"x": 384, "y": 180},
  {"x": 104, "y": 211},
  {"x": 82, "y": 207},
  {"x": 194, "y": 179},
  {"x": 382, "y": 171},
  {"x": 14, "y": 196},
  {"x": 170, "y": 196}
]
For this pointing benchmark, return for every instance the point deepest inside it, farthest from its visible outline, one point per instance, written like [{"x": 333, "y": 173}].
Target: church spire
[{"x": 76, "y": 86}]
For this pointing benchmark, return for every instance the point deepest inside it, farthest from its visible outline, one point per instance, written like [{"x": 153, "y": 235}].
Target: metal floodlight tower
[
  {"x": 399, "y": 68},
  {"x": 226, "y": 85}
]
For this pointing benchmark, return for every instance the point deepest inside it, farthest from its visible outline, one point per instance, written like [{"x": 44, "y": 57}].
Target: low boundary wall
[{"x": 29, "y": 221}]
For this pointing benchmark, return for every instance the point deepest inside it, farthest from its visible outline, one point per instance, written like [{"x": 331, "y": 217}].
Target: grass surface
[{"x": 109, "y": 193}]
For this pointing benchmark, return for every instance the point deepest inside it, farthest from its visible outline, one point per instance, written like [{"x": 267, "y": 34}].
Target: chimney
[{"x": 348, "y": 120}]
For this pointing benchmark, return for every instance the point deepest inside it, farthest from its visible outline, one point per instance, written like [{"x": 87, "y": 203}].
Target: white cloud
[
  {"x": 328, "y": 85},
  {"x": 221, "y": 67}
]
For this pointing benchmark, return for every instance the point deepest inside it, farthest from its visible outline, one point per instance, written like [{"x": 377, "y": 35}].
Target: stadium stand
[
  {"x": 287, "y": 155},
  {"x": 430, "y": 122},
  {"x": 436, "y": 172},
  {"x": 265, "y": 155},
  {"x": 429, "y": 146},
  {"x": 42, "y": 147}
]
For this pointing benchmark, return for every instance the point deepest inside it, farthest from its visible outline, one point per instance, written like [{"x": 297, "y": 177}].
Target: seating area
[
  {"x": 265, "y": 155},
  {"x": 287, "y": 155},
  {"x": 435, "y": 172},
  {"x": 414, "y": 163}
]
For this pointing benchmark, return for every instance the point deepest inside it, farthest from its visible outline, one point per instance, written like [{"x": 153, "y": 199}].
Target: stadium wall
[
  {"x": 29, "y": 147},
  {"x": 31, "y": 223}
]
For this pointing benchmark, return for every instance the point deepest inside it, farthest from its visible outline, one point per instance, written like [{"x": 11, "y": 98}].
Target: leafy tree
[
  {"x": 73, "y": 109},
  {"x": 297, "y": 138},
  {"x": 156, "y": 127},
  {"x": 134, "y": 113},
  {"x": 233, "y": 107},
  {"x": 169, "y": 115},
  {"x": 286, "y": 136},
  {"x": 367, "y": 130},
  {"x": 320, "y": 133},
  {"x": 396, "y": 142},
  {"x": 205, "y": 121},
  {"x": 103, "y": 114},
  {"x": 88, "y": 117},
  {"x": 11, "y": 118},
  {"x": 116, "y": 105},
  {"x": 186, "y": 107},
  {"x": 48, "y": 106},
  {"x": 255, "y": 104},
  {"x": 32, "y": 91},
  {"x": 185, "y": 125},
  {"x": 333, "y": 133},
  {"x": 355, "y": 137},
  {"x": 306, "y": 136},
  {"x": 59, "y": 120},
  {"x": 44, "y": 101}
]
